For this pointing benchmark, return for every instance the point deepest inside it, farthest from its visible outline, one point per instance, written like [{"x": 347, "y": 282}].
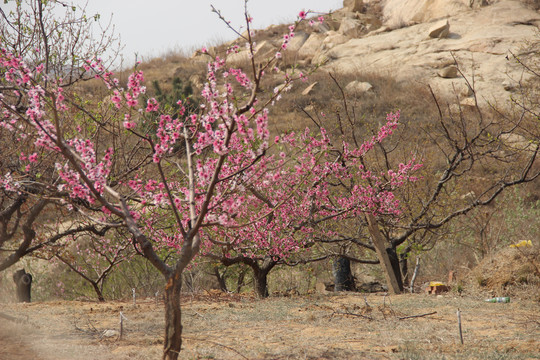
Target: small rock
[
  {"x": 466, "y": 90},
  {"x": 508, "y": 85},
  {"x": 468, "y": 196},
  {"x": 440, "y": 30},
  {"x": 468, "y": 102},
  {"x": 449, "y": 72},
  {"x": 320, "y": 287},
  {"x": 110, "y": 333},
  {"x": 309, "y": 89},
  {"x": 358, "y": 87},
  {"x": 455, "y": 109}
]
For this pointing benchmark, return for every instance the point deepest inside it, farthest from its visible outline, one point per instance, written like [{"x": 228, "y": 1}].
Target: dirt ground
[{"x": 226, "y": 326}]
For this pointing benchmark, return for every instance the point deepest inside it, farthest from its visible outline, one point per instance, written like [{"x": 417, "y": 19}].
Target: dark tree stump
[
  {"x": 343, "y": 278},
  {"x": 23, "y": 280}
]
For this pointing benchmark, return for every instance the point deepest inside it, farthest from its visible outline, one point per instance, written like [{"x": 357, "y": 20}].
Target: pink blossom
[{"x": 152, "y": 105}]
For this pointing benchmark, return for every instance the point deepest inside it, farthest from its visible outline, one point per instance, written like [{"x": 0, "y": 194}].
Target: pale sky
[{"x": 153, "y": 27}]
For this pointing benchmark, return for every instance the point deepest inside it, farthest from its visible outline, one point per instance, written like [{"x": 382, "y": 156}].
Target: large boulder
[
  {"x": 477, "y": 3},
  {"x": 333, "y": 39},
  {"x": 480, "y": 41},
  {"x": 297, "y": 41},
  {"x": 351, "y": 27},
  {"x": 358, "y": 87},
  {"x": 312, "y": 45},
  {"x": 399, "y": 13},
  {"x": 353, "y": 5},
  {"x": 262, "y": 50}
]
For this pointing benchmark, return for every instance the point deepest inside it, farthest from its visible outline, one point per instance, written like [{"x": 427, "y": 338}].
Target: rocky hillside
[{"x": 452, "y": 45}]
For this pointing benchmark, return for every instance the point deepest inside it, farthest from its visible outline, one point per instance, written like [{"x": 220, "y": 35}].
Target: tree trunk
[
  {"x": 380, "y": 247},
  {"x": 394, "y": 260},
  {"x": 240, "y": 281},
  {"x": 220, "y": 279},
  {"x": 343, "y": 278},
  {"x": 98, "y": 291},
  {"x": 173, "y": 318},
  {"x": 261, "y": 283},
  {"x": 23, "y": 280},
  {"x": 260, "y": 275},
  {"x": 404, "y": 265}
]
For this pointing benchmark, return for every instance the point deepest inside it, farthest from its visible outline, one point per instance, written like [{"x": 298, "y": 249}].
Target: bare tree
[{"x": 470, "y": 158}]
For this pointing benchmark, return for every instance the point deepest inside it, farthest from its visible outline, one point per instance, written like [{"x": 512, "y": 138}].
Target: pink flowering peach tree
[
  {"x": 32, "y": 215},
  {"x": 164, "y": 186},
  {"x": 212, "y": 180},
  {"x": 305, "y": 191}
]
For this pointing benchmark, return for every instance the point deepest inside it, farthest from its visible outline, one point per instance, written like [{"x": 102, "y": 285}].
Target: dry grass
[
  {"x": 509, "y": 272},
  {"x": 219, "y": 326}
]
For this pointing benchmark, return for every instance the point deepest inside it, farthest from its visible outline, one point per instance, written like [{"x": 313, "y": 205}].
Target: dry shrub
[
  {"x": 533, "y": 4},
  {"x": 510, "y": 271}
]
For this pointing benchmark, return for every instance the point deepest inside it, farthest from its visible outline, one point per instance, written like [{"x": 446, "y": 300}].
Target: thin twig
[
  {"x": 352, "y": 314},
  {"x": 416, "y": 316},
  {"x": 218, "y": 344}
]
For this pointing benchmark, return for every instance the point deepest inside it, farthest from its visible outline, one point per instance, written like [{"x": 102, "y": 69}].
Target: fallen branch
[
  {"x": 352, "y": 314},
  {"x": 218, "y": 344},
  {"x": 416, "y": 316},
  {"x": 92, "y": 329}
]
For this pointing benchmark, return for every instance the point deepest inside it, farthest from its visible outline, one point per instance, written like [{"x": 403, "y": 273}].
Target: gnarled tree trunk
[
  {"x": 173, "y": 317},
  {"x": 98, "y": 292},
  {"x": 343, "y": 278},
  {"x": 260, "y": 275},
  {"x": 23, "y": 280},
  {"x": 261, "y": 283}
]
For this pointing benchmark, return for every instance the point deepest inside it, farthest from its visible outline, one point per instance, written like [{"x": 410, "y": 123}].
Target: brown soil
[{"x": 327, "y": 326}]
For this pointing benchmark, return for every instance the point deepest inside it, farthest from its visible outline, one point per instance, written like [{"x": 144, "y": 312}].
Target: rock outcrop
[
  {"x": 481, "y": 39},
  {"x": 353, "y": 5},
  {"x": 430, "y": 41}
]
